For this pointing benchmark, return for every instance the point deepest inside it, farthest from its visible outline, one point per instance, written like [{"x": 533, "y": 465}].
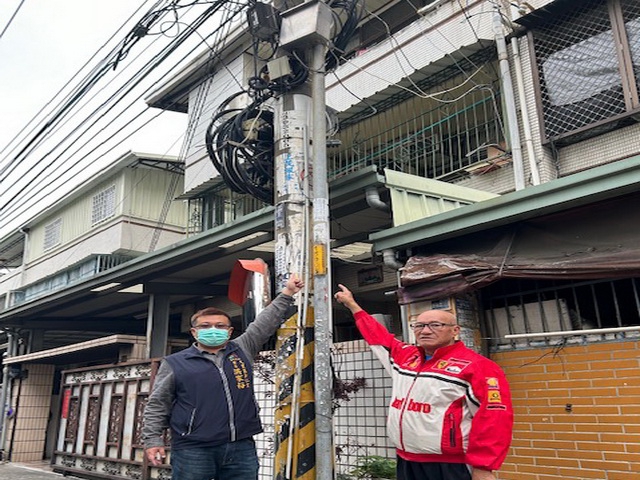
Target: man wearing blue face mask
[{"x": 204, "y": 395}]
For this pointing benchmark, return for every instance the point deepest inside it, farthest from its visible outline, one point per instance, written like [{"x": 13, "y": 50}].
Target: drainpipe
[
  {"x": 373, "y": 200},
  {"x": 389, "y": 255},
  {"x": 5, "y": 394},
  {"x": 25, "y": 254},
  {"x": 509, "y": 100},
  {"x": 528, "y": 140},
  {"x": 389, "y": 259}
]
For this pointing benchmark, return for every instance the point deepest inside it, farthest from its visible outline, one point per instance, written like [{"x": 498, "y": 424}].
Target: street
[{"x": 15, "y": 471}]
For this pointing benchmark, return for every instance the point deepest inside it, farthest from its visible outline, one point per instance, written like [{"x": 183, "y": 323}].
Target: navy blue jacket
[
  {"x": 219, "y": 406},
  {"x": 206, "y": 402}
]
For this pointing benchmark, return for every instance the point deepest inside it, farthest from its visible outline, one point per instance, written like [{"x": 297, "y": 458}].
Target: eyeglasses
[
  {"x": 433, "y": 326},
  {"x": 219, "y": 326}
]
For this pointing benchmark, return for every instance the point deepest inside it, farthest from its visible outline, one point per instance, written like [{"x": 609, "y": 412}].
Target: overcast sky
[{"x": 46, "y": 43}]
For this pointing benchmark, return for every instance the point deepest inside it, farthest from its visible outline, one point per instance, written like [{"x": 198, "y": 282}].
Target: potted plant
[{"x": 375, "y": 466}]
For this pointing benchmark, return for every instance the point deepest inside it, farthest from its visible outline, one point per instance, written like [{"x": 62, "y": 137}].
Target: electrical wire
[
  {"x": 240, "y": 142},
  {"x": 354, "y": 11},
  {"x": 160, "y": 58},
  {"x": 70, "y": 81},
  {"x": 11, "y": 19},
  {"x": 81, "y": 90}
]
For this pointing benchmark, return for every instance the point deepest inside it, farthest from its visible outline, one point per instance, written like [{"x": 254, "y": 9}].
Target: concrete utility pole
[
  {"x": 321, "y": 271},
  {"x": 303, "y": 422}
]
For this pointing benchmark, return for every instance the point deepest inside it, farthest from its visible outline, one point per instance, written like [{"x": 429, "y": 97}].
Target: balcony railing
[
  {"x": 85, "y": 269},
  {"x": 440, "y": 143}
]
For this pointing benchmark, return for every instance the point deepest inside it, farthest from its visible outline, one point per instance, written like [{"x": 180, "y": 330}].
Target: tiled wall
[
  {"x": 577, "y": 412},
  {"x": 32, "y": 413}
]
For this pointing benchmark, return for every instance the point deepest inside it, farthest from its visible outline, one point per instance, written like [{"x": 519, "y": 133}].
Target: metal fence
[{"x": 102, "y": 407}]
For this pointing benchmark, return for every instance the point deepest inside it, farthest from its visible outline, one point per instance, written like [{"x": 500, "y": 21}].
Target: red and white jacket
[{"x": 454, "y": 407}]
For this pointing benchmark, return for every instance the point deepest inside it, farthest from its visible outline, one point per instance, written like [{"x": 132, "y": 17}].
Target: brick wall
[{"x": 577, "y": 412}]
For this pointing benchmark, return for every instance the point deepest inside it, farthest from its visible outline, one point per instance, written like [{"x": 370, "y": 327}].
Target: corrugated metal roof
[
  {"x": 590, "y": 186},
  {"x": 414, "y": 197}
]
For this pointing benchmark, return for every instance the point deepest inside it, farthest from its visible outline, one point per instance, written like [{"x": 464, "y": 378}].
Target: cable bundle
[
  {"x": 240, "y": 145},
  {"x": 240, "y": 141}
]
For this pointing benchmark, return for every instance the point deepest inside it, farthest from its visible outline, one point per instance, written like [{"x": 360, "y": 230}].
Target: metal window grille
[
  {"x": 588, "y": 59},
  {"x": 531, "y": 306},
  {"x": 103, "y": 205},
  {"x": 220, "y": 206},
  {"x": 440, "y": 142},
  {"x": 52, "y": 234},
  {"x": 88, "y": 268}
]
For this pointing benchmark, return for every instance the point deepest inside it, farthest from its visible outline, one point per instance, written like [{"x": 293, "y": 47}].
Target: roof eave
[{"x": 599, "y": 183}]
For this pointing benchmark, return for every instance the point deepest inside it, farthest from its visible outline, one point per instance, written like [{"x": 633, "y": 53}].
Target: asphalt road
[{"x": 13, "y": 471}]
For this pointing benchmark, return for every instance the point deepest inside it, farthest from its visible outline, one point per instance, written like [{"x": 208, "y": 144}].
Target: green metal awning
[{"x": 590, "y": 186}]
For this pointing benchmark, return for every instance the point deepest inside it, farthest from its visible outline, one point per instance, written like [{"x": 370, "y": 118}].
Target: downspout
[
  {"x": 389, "y": 259},
  {"x": 6, "y": 393},
  {"x": 526, "y": 126},
  {"x": 389, "y": 255},
  {"x": 25, "y": 254},
  {"x": 509, "y": 101},
  {"x": 374, "y": 201}
]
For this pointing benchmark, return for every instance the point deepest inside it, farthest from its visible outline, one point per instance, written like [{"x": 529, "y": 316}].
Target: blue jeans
[{"x": 230, "y": 461}]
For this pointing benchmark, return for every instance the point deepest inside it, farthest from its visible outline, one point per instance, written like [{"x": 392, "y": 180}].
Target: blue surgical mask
[{"x": 213, "y": 337}]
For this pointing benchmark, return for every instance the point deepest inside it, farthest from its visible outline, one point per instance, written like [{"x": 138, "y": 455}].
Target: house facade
[{"x": 124, "y": 212}]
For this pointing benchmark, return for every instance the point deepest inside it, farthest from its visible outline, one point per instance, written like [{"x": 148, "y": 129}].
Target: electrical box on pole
[{"x": 309, "y": 23}]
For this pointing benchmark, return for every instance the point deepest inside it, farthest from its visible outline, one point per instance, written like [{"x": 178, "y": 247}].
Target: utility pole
[
  {"x": 321, "y": 271},
  {"x": 303, "y": 421}
]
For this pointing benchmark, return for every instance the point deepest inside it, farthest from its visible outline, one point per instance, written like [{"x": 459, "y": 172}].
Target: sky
[{"x": 43, "y": 47}]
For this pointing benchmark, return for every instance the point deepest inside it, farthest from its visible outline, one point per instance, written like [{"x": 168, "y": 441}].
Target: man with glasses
[
  {"x": 204, "y": 395},
  {"x": 450, "y": 416}
]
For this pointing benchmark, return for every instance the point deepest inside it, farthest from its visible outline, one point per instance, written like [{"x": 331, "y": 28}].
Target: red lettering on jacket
[
  {"x": 413, "y": 405},
  {"x": 418, "y": 407}
]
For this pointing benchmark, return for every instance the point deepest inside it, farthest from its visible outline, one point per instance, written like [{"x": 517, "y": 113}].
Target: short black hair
[{"x": 209, "y": 311}]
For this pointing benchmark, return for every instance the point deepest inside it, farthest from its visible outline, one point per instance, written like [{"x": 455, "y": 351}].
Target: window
[
  {"x": 103, "y": 205},
  {"x": 52, "y": 234},
  {"x": 587, "y": 55},
  {"x": 534, "y": 306}
]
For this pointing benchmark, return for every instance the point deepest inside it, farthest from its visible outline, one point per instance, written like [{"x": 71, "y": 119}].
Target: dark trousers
[
  {"x": 230, "y": 461},
  {"x": 432, "y": 471}
]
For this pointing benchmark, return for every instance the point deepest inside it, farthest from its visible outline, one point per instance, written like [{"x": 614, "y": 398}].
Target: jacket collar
[
  {"x": 194, "y": 351},
  {"x": 442, "y": 351}
]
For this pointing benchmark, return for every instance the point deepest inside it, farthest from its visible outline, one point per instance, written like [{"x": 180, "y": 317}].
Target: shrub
[{"x": 375, "y": 466}]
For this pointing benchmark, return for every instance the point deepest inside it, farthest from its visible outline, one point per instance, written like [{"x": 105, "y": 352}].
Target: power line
[
  {"x": 11, "y": 19},
  {"x": 111, "y": 60},
  {"x": 35, "y": 117},
  {"x": 137, "y": 77}
]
